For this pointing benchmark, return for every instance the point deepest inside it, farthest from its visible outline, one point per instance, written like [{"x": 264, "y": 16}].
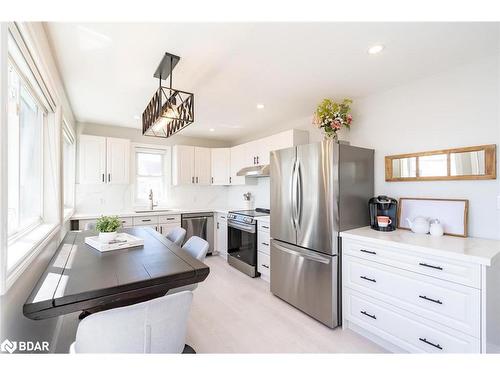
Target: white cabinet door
[
  {"x": 165, "y": 228},
  {"x": 238, "y": 161},
  {"x": 92, "y": 159},
  {"x": 221, "y": 166},
  {"x": 221, "y": 232},
  {"x": 202, "y": 165},
  {"x": 263, "y": 150},
  {"x": 117, "y": 160},
  {"x": 182, "y": 165}
]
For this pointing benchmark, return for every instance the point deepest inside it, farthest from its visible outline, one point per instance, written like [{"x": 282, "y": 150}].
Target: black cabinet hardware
[
  {"x": 263, "y": 243},
  {"x": 103, "y": 177},
  {"x": 368, "y": 251},
  {"x": 192, "y": 180},
  {"x": 367, "y": 278},
  {"x": 257, "y": 160},
  {"x": 229, "y": 179},
  {"x": 430, "y": 266},
  {"x": 109, "y": 177},
  {"x": 369, "y": 315},
  {"x": 123, "y": 221},
  {"x": 430, "y": 343},
  {"x": 196, "y": 179},
  {"x": 265, "y": 266},
  {"x": 212, "y": 180},
  {"x": 254, "y": 161},
  {"x": 218, "y": 227},
  {"x": 430, "y": 299},
  {"x": 161, "y": 229},
  {"x": 146, "y": 220},
  {"x": 265, "y": 227},
  {"x": 170, "y": 218}
]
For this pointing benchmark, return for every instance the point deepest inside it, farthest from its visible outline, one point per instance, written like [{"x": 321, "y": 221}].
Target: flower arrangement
[{"x": 331, "y": 116}]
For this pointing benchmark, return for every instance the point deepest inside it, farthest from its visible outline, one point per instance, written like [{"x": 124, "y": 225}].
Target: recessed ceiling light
[
  {"x": 260, "y": 106},
  {"x": 211, "y": 129},
  {"x": 377, "y": 48},
  {"x": 137, "y": 117}
]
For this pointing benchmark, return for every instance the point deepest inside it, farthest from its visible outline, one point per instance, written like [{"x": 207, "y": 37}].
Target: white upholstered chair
[
  {"x": 196, "y": 247},
  {"x": 156, "y": 326},
  {"x": 177, "y": 235}
]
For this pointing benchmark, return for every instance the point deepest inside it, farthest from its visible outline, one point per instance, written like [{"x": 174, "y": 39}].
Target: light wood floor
[{"x": 233, "y": 313}]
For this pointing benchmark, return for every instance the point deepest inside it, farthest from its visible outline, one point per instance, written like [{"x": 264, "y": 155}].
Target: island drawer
[
  {"x": 450, "y": 304},
  {"x": 169, "y": 219},
  {"x": 442, "y": 268},
  {"x": 126, "y": 222},
  {"x": 404, "y": 329},
  {"x": 145, "y": 220}
]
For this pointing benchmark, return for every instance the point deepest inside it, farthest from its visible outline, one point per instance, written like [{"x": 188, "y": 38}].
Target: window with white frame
[
  {"x": 68, "y": 154},
  {"x": 149, "y": 174},
  {"x": 26, "y": 118}
]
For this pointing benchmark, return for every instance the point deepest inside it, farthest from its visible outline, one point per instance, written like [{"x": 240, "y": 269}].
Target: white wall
[{"x": 456, "y": 108}]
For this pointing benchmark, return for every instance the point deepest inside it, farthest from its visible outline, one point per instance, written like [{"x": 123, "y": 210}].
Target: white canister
[{"x": 436, "y": 228}]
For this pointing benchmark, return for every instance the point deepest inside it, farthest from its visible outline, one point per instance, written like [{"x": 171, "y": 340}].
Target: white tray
[{"x": 122, "y": 241}]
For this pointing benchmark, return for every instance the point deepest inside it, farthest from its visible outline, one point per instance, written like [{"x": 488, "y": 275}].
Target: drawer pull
[
  {"x": 265, "y": 266},
  {"x": 170, "y": 218},
  {"x": 369, "y": 315},
  {"x": 430, "y": 266},
  {"x": 146, "y": 220},
  {"x": 123, "y": 221},
  {"x": 368, "y": 251},
  {"x": 367, "y": 278},
  {"x": 265, "y": 227},
  {"x": 431, "y": 344},
  {"x": 266, "y": 244},
  {"x": 432, "y": 300}
]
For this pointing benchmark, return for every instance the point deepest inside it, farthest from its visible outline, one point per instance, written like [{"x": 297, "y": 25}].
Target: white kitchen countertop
[
  {"x": 156, "y": 212},
  {"x": 470, "y": 249}
]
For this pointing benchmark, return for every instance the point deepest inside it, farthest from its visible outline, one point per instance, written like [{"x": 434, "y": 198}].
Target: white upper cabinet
[
  {"x": 104, "y": 160},
  {"x": 92, "y": 160},
  {"x": 117, "y": 160},
  {"x": 239, "y": 160},
  {"x": 202, "y": 165},
  {"x": 221, "y": 166},
  {"x": 191, "y": 165}
]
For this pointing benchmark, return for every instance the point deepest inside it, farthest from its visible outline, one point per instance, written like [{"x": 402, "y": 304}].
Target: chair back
[
  {"x": 196, "y": 247},
  {"x": 156, "y": 326},
  {"x": 177, "y": 235}
]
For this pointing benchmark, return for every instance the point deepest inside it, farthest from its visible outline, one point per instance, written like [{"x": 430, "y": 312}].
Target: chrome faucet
[{"x": 151, "y": 205}]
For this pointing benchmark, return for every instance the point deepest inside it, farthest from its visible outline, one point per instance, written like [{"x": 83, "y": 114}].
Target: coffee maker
[{"x": 383, "y": 206}]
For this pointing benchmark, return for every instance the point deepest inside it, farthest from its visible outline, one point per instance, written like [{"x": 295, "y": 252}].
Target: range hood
[{"x": 254, "y": 171}]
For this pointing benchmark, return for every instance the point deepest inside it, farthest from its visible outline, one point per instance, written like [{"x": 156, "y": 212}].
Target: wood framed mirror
[{"x": 466, "y": 163}]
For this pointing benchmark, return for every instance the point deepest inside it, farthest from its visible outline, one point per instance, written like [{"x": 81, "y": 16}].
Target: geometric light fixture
[{"x": 170, "y": 110}]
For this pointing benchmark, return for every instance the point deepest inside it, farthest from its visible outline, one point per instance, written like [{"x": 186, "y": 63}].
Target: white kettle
[{"x": 419, "y": 225}]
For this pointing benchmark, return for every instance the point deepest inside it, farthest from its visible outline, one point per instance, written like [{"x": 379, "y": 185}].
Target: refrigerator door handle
[
  {"x": 314, "y": 258},
  {"x": 294, "y": 193},
  {"x": 299, "y": 194}
]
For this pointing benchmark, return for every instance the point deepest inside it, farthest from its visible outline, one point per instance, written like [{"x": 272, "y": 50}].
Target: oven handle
[
  {"x": 315, "y": 258},
  {"x": 243, "y": 227}
]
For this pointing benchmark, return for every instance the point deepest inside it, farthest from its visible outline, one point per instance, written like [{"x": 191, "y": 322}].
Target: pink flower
[
  {"x": 349, "y": 119},
  {"x": 336, "y": 124}
]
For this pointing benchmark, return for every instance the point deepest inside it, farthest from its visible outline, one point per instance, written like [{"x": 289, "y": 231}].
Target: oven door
[{"x": 242, "y": 247}]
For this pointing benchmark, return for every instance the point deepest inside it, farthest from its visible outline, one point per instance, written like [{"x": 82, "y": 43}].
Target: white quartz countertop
[
  {"x": 470, "y": 249},
  {"x": 156, "y": 212}
]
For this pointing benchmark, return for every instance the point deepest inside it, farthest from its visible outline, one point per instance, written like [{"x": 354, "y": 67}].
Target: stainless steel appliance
[
  {"x": 200, "y": 224},
  {"x": 242, "y": 240},
  {"x": 317, "y": 190}
]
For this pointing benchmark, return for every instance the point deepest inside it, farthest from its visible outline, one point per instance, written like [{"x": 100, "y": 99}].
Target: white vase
[{"x": 107, "y": 237}]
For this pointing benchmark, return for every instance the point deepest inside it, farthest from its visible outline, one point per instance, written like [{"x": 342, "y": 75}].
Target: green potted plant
[
  {"x": 107, "y": 226},
  {"x": 331, "y": 116}
]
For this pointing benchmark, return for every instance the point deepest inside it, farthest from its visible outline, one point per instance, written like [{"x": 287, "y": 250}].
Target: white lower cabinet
[
  {"x": 168, "y": 223},
  {"x": 221, "y": 235},
  {"x": 263, "y": 250},
  {"x": 390, "y": 295}
]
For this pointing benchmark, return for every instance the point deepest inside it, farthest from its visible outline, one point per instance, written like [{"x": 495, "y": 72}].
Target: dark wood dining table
[{"x": 81, "y": 278}]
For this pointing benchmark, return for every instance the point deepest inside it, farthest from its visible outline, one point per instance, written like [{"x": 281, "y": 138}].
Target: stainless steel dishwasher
[{"x": 200, "y": 224}]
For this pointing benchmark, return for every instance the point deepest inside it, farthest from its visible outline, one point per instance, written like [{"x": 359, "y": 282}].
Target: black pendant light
[{"x": 170, "y": 110}]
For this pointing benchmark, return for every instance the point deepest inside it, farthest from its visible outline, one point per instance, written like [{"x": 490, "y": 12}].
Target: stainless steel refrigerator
[{"x": 317, "y": 190}]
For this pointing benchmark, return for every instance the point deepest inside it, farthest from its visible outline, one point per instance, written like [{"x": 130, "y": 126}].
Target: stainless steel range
[{"x": 242, "y": 240}]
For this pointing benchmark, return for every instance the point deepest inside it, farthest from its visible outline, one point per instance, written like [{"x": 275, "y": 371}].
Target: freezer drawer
[{"x": 307, "y": 280}]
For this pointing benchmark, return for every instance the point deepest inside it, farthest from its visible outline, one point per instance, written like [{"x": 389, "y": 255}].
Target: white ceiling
[{"x": 108, "y": 68}]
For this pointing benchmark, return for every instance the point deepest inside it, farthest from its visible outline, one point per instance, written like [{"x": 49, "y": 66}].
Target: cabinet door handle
[
  {"x": 254, "y": 160},
  {"x": 109, "y": 177},
  {"x": 218, "y": 225},
  {"x": 431, "y": 266},
  {"x": 103, "y": 177},
  {"x": 192, "y": 180},
  {"x": 229, "y": 179},
  {"x": 257, "y": 160},
  {"x": 161, "y": 229},
  {"x": 430, "y": 343},
  {"x": 430, "y": 299},
  {"x": 369, "y": 315},
  {"x": 263, "y": 243},
  {"x": 265, "y": 266},
  {"x": 368, "y": 251},
  {"x": 368, "y": 279},
  {"x": 265, "y": 227},
  {"x": 196, "y": 179},
  {"x": 145, "y": 220},
  {"x": 212, "y": 180}
]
